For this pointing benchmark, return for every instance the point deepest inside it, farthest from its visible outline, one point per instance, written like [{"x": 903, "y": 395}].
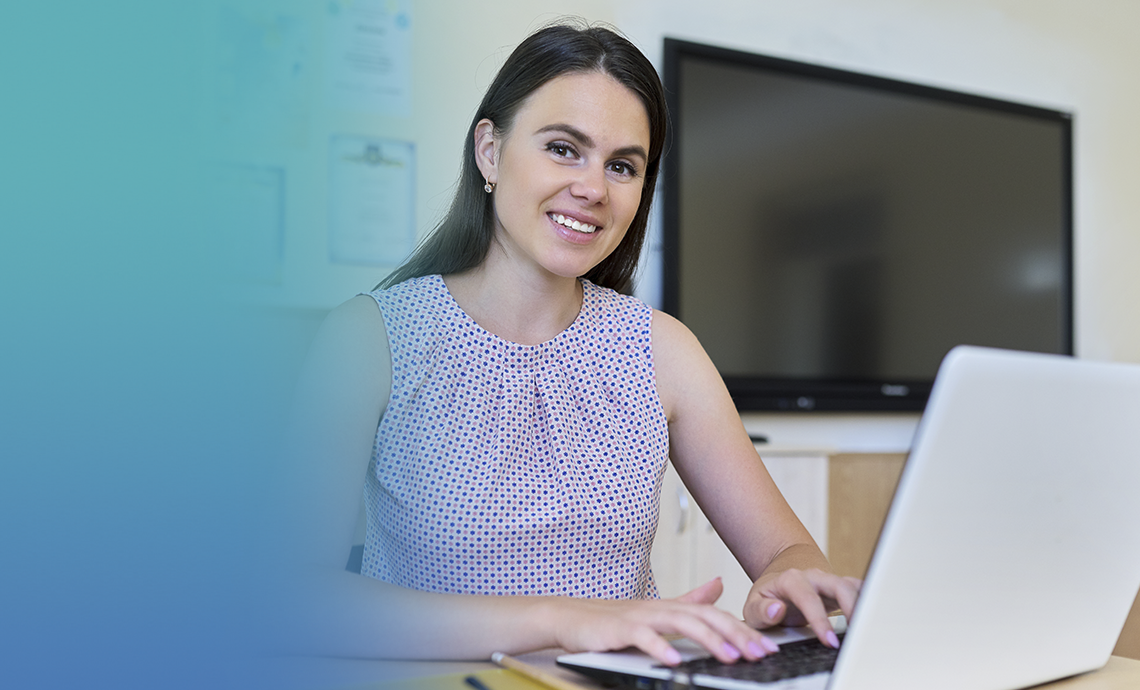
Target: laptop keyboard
[{"x": 800, "y": 658}]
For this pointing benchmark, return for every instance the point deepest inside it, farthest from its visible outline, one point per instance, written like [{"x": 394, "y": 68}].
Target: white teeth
[{"x": 573, "y": 224}]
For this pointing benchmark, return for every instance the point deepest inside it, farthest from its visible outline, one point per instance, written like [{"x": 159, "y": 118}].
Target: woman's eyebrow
[
  {"x": 570, "y": 130},
  {"x": 588, "y": 141},
  {"x": 632, "y": 151}
]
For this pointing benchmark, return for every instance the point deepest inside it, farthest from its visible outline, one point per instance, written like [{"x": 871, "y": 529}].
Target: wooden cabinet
[
  {"x": 1129, "y": 643},
  {"x": 859, "y": 492}
]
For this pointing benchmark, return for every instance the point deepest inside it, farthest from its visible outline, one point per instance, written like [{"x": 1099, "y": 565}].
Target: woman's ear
[{"x": 486, "y": 148}]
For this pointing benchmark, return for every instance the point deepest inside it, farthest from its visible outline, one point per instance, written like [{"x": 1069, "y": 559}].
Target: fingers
[
  {"x": 707, "y": 593},
  {"x": 799, "y": 589},
  {"x": 796, "y": 597},
  {"x": 600, "y": 625},
  {"x": 847, "y": 593},
  {"x": 657, "y": 647},
  {"x": 724, "y": 636},
  {"x": 721, "y": 634},
  {"x": 764, "y": 612}
]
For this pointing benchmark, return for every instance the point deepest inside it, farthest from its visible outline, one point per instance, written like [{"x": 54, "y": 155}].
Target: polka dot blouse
[{"x": 501, "y": 468}]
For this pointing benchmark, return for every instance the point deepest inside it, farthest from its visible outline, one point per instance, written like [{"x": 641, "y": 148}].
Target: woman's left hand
[{"x": 796, "y": 597}]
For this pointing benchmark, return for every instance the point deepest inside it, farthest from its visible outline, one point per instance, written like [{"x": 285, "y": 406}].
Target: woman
[{"x": 511, "y": 412}]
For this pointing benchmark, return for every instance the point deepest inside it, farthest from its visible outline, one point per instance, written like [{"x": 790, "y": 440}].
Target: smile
[{"x": 572, "y": 224}]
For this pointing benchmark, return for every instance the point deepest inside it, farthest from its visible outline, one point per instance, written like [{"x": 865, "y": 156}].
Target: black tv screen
[{"x": 829, "y": 236}]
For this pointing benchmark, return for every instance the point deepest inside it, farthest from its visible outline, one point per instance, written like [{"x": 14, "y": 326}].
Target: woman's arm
[
  {"x": 716, "y": 460},
  {"x": 342, "y": 395}
]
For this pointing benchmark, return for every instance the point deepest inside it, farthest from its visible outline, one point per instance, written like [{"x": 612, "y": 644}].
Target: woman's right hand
[{"x": 597, "y": 625}]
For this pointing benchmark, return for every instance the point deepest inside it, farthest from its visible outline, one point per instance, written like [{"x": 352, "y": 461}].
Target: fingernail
[
  {"x": 774, "y": 610},
  {"x": 832, "y": 640},
  {"x": 772, "y": 646},
  {"x": 731, "y": 651},
  {"x": 672, "y": 657},
  {"x": 755, "y": 649}
]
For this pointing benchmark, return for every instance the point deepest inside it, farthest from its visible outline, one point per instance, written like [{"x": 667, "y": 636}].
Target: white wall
[{"x": 1080, "y": 57}]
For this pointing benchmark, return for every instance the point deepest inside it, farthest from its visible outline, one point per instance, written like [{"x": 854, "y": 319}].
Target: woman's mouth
[{"x": 572, "y": 223}]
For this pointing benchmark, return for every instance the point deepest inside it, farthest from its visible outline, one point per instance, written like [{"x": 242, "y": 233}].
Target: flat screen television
[{"x": 829, "y": 236}]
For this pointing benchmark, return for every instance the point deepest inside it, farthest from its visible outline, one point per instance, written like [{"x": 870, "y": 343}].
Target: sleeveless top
[{"x": 501, "y": 468}]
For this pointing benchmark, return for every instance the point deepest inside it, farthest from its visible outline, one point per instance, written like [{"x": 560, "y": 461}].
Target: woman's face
[{"x": 569, "y": 173}]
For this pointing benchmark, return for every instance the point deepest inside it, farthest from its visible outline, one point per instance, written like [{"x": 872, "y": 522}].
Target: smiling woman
[
  {"x": 464, "y": 236},
  {"x": 574, "y": 152},
  {"x": 511, "y": 412}
]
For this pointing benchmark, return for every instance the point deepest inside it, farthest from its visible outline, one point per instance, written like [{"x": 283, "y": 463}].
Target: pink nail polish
[
  {"x": 832, "y": 640},
  {"x": 774, "y": 610},
  {"x": 756, "y": 650},
  {"x": 672, "y": 657},
  {"x": 731, "y": 651},
  {"x": 771, "y": 645}
]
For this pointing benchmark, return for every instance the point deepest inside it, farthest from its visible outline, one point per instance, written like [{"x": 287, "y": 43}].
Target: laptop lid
[{"x": 1011, "y": 553}]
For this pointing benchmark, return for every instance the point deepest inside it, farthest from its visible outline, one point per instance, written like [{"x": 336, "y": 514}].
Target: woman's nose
[{"x": 590, "y": 184}]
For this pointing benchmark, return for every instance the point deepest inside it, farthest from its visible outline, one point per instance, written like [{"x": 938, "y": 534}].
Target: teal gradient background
[{"x": 134, "y": 430}]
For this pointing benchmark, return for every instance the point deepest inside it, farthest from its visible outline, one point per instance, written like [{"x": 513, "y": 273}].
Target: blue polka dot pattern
[{"x": 501, "y": 468}]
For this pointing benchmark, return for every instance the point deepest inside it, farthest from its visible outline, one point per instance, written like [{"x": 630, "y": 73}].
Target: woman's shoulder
[
  {"x": 415, "y": 299},
  {"x": 413, "y": 288},
  {"x": 357, "y": 317},
  {"x": 349, "y": 354},
  {"x": 614, "y": 303},
  {"x": 672, "y": 336},
  {"x": 380, "y": 314}
]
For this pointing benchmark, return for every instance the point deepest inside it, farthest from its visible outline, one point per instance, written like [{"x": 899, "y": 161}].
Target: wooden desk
[{"x": 350, "y": 674}]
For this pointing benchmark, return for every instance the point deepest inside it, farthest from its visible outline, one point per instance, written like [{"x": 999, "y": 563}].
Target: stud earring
[{"x": 489, "y": 187}]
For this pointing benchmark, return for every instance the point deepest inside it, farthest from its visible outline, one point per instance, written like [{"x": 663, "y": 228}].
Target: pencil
[{"x": 536, "y": 674}]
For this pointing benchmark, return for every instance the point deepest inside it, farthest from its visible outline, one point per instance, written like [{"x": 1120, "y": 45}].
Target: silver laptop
[{"x": 1011, "y": 553}]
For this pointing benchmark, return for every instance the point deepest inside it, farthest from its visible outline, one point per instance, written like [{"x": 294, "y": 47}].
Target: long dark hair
[{"x": 463, "y": 238}]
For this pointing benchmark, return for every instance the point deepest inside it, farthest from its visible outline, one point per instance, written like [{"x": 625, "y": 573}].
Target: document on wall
[
  {"x": 371, "y": 200},
  {"x": 368, "y": 55}
]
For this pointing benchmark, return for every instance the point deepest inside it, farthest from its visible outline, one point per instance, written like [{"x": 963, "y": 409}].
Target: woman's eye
[
  {"x": 624, "y": 169},
  {"x": 560, "y": 150}
]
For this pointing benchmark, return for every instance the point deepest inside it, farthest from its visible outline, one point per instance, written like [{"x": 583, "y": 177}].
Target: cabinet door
[
  {"x": 861, "y": 486},
  {"x": 672, "y": 555},
  {"x": 688, "y": 552},
  {"x": 713, "y": 559}
]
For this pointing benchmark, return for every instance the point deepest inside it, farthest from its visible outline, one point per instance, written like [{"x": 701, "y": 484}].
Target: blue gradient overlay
[{"x": 138, "y": 401}]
